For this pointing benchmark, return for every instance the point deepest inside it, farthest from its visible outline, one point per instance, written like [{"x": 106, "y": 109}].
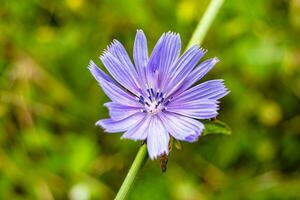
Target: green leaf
[{"x": 216, "y": 127}]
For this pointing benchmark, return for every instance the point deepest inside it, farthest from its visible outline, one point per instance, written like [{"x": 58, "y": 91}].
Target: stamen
[
  {"x": 142, "y": 102},
  {"x": 157, "y": 94},
  {"x": 148, "y": 90},
  {"x": 152, "y": 91},
  {"x": 157, "y": 100},
  {"x": 159, "y": 103},
  {"x": 168, "y": 101},
  {"x": 161, "y": 94}
]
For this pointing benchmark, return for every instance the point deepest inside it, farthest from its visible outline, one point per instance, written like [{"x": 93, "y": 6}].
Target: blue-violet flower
[{"x": 156, "y": 97}]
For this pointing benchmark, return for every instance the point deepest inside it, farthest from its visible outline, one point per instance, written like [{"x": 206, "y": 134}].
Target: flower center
[{"x": 154, "y": 102}]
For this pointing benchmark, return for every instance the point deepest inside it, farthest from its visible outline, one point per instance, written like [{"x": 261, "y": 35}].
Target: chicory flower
[{"x": 156, "y": 97}]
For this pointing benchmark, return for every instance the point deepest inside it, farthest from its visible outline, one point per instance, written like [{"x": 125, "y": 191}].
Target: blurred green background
[{"x": 49, "y": 102}]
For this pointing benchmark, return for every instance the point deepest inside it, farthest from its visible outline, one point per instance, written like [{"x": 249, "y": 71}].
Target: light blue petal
[
  {"x": 167, "y": 56},
  {"x": 200, "y": 109},
  {"x": 98, "y": 73},
  {"x": 111, "y": 88},
  {"x": 119, "y": 52},
  {"x": 117, "y": 94},
  {"x": 140, "y": 131},
  {"x": 213, "y": 89},
  {"x": 157, "y": 138},
  {"x": 153, "y": 62},
  {"x": 140, "y": 54},
  {"x": 163, "y": 57},
  {"x": 181, "y": 127},
  {"x": 156, "y": 54},
  {"x": 111, "y": 126},
  {"x": 119, "y": 111},
  {"x": 120, "y": 72},
  {"x": 183, "y": 67},
  {"x": 199, "y": 72}
]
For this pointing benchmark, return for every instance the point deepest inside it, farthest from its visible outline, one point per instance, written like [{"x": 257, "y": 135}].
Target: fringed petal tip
[
  {"x": 104, "y": 54},
  {"x": 154, "y": 157},
  {"x": 93, "y": 68},
  {"x": 108, "y": 47},
  {"x": 215, "y": 60},
  {"x": 102, "y": 123},
  {"x": 108, "y": 50},
  {"x": 140, "y": 31},
  {"x": 99, "y": 123},
  {"x": 227, "y": 91},
  {"x": 223, "y": 90},
  {"x": 91, "y": 65},
  {"x": 172, "y": 34},
  {"x": 199, "y": 48}
]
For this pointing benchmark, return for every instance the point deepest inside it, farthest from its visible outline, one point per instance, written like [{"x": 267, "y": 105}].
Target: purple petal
[
  {"x": 140, "y": 54},
  {"x": 200, "y": 109},
  {"x": 156, "y": 55},
  {"x": 183, "y": 67},
  {"x": 119, "y": 52},
  {"x": 110, "y": 87},
  {"x": 112, "y": 126},
  {"x": 122, "y": 73},
  {"x": 200, "y": 71},
  {"x": 163, "y": 57},
  {"x": 213, "y": 89},
  {"x": 154, "y": 61},
  {"x": 181, "y": 127},
  {"x": 98, "y": 73},
  {"x": 168, "y": 54},
  {"x": 139, "y": 132},
  {"x": 119, "y": 111},
  {"x": 157, "y": 138},
  {"x": 117, "y": 94}
]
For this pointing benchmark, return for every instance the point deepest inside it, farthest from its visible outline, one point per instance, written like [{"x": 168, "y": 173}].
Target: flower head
[{"x": 155, "y": 97}]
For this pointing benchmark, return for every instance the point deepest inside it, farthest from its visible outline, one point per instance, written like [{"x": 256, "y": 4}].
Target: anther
[
  {"x": 168, "y": 101},
  {"x": 161, "y": 95},
  {"x": 152, "y": 91},
  {"x": 148, "y": 90},
  {"x": 157, "y": 94},
  {"x": 142, "y": 102}
]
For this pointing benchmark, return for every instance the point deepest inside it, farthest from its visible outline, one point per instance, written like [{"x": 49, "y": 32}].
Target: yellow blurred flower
[
  {"x": 270, "y": 113},
  {"x": 74, "y": 4}
]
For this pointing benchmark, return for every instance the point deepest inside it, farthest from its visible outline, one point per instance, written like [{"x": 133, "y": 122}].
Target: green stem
[
  {"x": 137, "y": 164},
  {"x": 205, "y": 22},
  {"x": 197, "y": 38}
]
